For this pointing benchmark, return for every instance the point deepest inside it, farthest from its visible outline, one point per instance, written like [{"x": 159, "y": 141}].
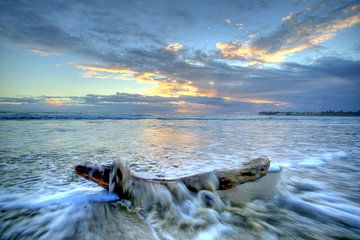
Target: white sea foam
[
  {"x": 316, "y": 161},
  {"x": 274, "y": 168},
  {"x": 72, "y": 197},
  {"x": 175, "y": 212},
  {"x": 319, "y": 210},
  {"x": 320, "y": 158}
]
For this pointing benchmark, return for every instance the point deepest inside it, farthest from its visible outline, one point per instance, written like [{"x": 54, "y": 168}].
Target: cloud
[
  {"x": 53, "y": 101},
  {"x": 288, "y": 17},
  {"x": 297, "y": 32},
  {"x": 326, "y": 83},
  {"x": 53, "y": 28},
  {"x": 228, "y": 21},
  {"x": 284, "y": 86},
  {"x": 104, "y": 69},
  {"x": 174, "y": 47},
  {"x": 131, "y": 46},
  {"x": 133, "y": 103},
  {"x": 41, "y": 100},
  {"x": 239, "y": 25},
  {"x": 161, "y": 84},
  {"x": 17, "y": 101}
]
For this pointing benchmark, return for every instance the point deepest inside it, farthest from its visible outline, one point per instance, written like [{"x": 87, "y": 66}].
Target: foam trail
[
  {"x": 73, "y": 197},
  {"x": 319, "y": 211},
  {"x": 316, "y": 161}
]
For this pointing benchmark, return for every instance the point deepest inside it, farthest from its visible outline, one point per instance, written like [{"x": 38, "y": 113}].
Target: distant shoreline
[{"x": 326, "y": 113}]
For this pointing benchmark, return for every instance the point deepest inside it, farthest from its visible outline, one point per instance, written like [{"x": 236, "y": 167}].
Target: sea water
[{"x": 318, "y": 196}]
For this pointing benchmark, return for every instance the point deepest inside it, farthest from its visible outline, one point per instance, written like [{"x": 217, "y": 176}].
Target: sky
[{"x": 180, "y": 57}]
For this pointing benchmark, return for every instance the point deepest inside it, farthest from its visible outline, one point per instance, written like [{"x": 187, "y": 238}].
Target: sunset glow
[{"x": 250, "y": 57}]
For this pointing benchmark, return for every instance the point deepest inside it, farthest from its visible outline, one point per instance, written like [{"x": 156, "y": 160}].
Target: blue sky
[{"x": 180, "y": 56}]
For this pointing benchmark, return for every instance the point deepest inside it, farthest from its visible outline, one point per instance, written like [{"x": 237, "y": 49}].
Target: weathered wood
[{"x": 214, "y": 180}]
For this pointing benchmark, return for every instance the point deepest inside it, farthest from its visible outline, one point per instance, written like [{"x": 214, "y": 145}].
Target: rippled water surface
[{"x": 318, "y": 196}]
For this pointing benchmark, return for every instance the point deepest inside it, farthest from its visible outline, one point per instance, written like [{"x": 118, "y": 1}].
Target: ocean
[{"x": 41, "y": 197}]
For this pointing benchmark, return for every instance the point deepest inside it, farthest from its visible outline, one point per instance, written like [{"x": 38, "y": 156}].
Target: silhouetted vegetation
[{"x": 326, "y": 113}]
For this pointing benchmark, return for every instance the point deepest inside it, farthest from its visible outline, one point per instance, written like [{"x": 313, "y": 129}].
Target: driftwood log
[{"x": 115, "y": 176}]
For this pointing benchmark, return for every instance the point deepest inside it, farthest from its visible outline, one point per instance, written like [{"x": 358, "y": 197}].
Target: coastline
[{"x": 316, "y": 114}]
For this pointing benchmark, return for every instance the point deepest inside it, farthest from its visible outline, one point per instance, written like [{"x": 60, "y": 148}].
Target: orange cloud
[
  {"x": 249, "y": 100},
  {"x": 306, "y": 37},
  {"x": 258, "y": 101},
  {"x": 184, "y": 110},
  {"x": 173, "y": 89},
  {"x": 174, "y": 47},
  {"x": 105, "y": 69},
  {"x": 235, "y": 50},
  {"x": 178, "y": 102},
  {"x": 106, "y": 72},
  {"x": 54, "y": 102},
  {"x": 188, "y": 110},
  {"x": 265, "y": 101},
  {"x": 165, "y": 86},
  {"x": 255, "y": 101},
  {"x": 288, "y": 17}
]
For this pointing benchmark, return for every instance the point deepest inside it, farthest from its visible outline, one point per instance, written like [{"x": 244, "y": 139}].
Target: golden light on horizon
[
  {"x": 258, "y": 101},
  {"x": 105, "y": 69},
  {"x": 186, "y": 110},
  {"x": 249, "y": 100},
  {"x": 164, "y": 85},
  {"x": 54, "y": 102},
  {"x": 173, "y": 89}
]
